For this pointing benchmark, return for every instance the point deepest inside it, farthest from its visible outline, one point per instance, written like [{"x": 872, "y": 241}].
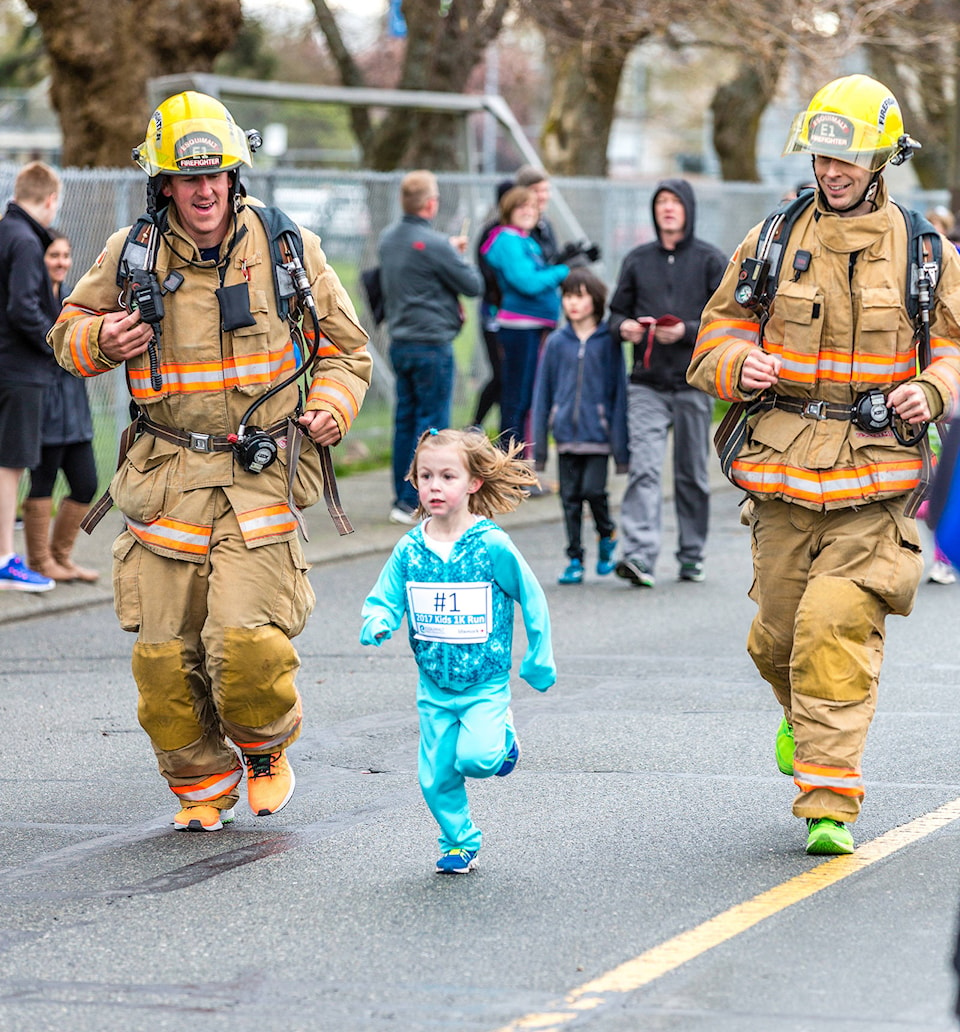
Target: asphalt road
[{"x": 646, "y": 811}]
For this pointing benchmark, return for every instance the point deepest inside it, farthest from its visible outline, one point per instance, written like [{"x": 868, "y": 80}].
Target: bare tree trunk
[
  {"x": 441, "y": 52},
  {"x": 577, "y": 127},
  {"x": 102, "y": 52},
  {"x": 350, "y": 74},
  {"x": 737, "y": 107},
  {"x": 588, "y": 44}
]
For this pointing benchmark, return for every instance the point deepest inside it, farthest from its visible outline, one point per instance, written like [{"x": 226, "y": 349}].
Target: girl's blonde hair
[{"x": 506, "y": 477}]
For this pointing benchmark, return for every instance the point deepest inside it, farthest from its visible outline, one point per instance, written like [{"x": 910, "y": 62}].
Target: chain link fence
[{"x": 350, "y": 209}]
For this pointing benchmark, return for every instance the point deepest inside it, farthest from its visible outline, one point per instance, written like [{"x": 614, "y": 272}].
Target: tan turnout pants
[
  {"x": 213, "y": 658},
  {"x": 824, "y": 583}
]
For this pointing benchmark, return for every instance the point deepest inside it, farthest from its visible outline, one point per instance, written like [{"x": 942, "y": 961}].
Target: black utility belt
[
  {"x": 868, "y": 413},
  {"x": 203, "y": 442}
]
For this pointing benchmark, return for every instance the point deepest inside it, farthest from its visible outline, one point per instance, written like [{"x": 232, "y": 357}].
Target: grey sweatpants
[{"x": 650, "y": 416}]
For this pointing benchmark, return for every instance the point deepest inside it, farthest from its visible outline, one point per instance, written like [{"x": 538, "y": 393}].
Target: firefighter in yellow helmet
[
  {"x": 855, "y": 121},
  {"x": 818, "y": 340},
  {"x": 208, "y": 569},
  {"x": 192, "y": 134}
]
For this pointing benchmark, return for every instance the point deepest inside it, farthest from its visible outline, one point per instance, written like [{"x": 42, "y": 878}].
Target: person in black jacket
[
  {"x": 25, "y": 357},
  {"x": 489, "y": 305},
  {"x": 67, "y": 444},
  {"x": 661, "y": 291}
]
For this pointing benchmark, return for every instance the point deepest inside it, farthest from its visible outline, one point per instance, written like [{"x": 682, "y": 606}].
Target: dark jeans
[
  {"x": 583, "y": 478},
  {"x": 424, "y": 384},
  {"x": 520, "y": 351}
]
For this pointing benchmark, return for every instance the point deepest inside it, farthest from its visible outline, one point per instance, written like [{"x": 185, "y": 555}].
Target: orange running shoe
[
  {"x": 202, "y": 818},
  {"x": 270, "y": 782}
]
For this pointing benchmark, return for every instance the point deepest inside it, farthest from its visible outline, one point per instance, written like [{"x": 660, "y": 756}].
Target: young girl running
[{"x": 457, "y": 576}]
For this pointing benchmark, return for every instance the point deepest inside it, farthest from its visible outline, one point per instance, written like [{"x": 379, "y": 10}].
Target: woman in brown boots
[{"x": 67, "y": 445}]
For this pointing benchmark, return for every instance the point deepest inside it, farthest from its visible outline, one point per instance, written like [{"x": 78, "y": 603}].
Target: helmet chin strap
[
  {"x": 869, "y": 195},
  {"x": 156, "y": 200}
]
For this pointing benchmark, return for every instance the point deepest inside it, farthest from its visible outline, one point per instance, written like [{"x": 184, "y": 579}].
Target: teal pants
[{"x": 462, "y": 735}]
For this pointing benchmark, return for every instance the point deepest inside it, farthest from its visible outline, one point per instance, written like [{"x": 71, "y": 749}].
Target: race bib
[{"x": 458, "y": 613}]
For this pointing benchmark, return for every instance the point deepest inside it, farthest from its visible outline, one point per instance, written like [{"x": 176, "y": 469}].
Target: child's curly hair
[{"x": 506, "y": 477}]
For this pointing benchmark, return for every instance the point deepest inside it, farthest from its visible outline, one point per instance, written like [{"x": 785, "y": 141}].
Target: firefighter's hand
[
  {"x": 759, "y": 371},
  {"x": 124, "y": 335},
  {"x": 910, "y": 403},
  {"x": 321, "y": 426}
]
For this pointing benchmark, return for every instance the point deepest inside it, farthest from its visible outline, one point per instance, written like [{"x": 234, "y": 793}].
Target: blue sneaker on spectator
[
  {"x": 573, "y": 574},
  {"x": 605, "y": 549},
  {"x": 457, "y": 861},
  {"x": 17, "y": 576}
]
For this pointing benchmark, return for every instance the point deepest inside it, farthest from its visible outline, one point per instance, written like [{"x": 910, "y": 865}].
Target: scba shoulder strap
[
  {"x": 283, "y": 234},
  {"x": 924, "y": 252}
]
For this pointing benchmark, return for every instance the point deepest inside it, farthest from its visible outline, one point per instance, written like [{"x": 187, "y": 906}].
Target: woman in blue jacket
[{"x": 529, "y": 304}]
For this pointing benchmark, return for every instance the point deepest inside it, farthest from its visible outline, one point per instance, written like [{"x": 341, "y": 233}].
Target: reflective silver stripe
[
  {"x": 213, "y": 791},
  {"x": 820, "y": 781}
]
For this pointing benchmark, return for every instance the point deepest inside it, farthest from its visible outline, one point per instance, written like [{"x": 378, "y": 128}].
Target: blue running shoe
[
  {"x": 510, "y": 761},
  {"x": 573, "y": 574},
  {"x": 17, "y": 576},
  {"x": 605, "y": 549},
  {"x": 513, "y": 753},
  {"x": 457, "y": 861}
]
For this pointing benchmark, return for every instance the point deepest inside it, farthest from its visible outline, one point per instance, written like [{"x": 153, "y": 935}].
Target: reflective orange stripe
[
  {"x": 265, "y": 522},
  {"x": 331, "y": 394},
  {"x": 269, "y": 743},
  {"x": 859, "y": 483},
  {"x": 82, "y": 321},
  {"x": 842, "y": 780},
  {"x": 211, "y": 787},
  {"x": 726, "y": 332},
  {"x": 215, "y": 377},
  {"x": 174, "y": 535}
]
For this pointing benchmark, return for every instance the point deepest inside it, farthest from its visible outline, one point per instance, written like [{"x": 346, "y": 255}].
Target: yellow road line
[{"x": 668, "y": 956}]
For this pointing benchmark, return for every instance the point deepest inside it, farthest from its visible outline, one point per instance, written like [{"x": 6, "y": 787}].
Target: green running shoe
[
  {"x": 827, "y": 837},
  {"x": 784, "y": 748}
]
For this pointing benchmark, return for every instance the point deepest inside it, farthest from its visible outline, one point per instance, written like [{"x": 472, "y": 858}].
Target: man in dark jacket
[
  {"x": 422, "y": 275},
  {"x": 661, "y": 291},
  {"x": 25, "y": 356}
]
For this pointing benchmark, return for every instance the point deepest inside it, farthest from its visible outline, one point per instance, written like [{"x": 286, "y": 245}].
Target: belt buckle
[
  {"x": 200, "y": 442},
  {"x": 814, "y": 410}
]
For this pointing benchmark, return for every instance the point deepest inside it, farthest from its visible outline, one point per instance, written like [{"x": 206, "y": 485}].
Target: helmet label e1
[
  {"x": 830, "y": 131},
  {"x": 198, "y": 152}
]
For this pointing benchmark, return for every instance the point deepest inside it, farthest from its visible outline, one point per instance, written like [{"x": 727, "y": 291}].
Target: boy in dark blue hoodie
[{"x": 581, "y": 399}]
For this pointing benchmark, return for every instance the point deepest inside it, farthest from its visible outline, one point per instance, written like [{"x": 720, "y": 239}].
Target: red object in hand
[{"x": 651, "y": 325}]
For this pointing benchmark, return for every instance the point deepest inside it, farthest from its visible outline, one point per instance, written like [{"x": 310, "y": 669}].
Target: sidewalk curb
[{"x": 366, "y": 499}]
